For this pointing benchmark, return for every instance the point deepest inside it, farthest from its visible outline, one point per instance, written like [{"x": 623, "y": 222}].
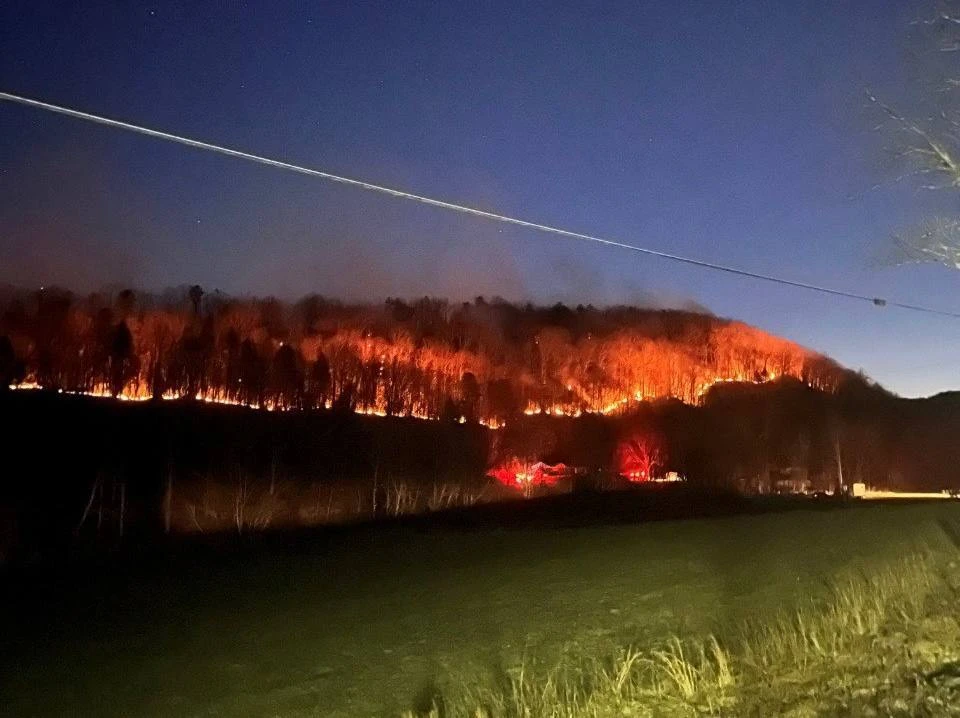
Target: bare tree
[
  {"x": 925, "y": 141},
  {"x": 196, "y": 296}
]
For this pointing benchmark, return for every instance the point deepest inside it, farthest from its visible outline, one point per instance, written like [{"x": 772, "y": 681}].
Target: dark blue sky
[{"x": 732, "y": 132}]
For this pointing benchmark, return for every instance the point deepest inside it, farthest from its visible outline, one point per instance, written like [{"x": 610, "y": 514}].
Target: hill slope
[{"x": 430, "y": 358}]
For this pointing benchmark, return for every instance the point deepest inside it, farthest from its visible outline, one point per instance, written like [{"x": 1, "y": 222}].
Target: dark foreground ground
[{"x": 371, "y": 621}]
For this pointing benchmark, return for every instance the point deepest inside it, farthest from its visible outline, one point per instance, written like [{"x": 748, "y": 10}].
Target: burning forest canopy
[{"x": 477, "y": 361}]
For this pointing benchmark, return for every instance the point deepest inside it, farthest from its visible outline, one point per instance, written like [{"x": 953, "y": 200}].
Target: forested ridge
[{"x": 476, "y": 361}]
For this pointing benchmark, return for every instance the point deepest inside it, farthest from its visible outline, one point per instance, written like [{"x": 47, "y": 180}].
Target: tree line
[{"x": 481, "y": 360}]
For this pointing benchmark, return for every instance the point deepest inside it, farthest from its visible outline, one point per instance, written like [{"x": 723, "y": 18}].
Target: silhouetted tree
[
  {"x": 286, "y": 377},
  {"x": 309, "y": 310},
  {"x": 196, "y": 296},
  {"x": 470, "y": 397},
  {"x": 502, "y": 402},
  {"x": 346, "y": 400},
  {"x": 449, "y": 414},
  {"x": 51, "y": 335},
  {"x": 252, "y": 373},
  {"x": 121, "y": 357},
  {"x": 320, "y": 379},
  {"x": 126, "y": 301}
]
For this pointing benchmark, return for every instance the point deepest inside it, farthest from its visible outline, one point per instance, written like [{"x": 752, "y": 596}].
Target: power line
[{"x": 430, "y": 201}]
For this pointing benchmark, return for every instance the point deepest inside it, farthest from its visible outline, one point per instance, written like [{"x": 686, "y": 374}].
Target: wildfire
[
  {"x": 556, "y": 410},
  {"x": 431, "y": 360},
  {"x": 623, "y": 404},
  {"x": 25, "y": 386},
  {"x": 137, "y": 393}
]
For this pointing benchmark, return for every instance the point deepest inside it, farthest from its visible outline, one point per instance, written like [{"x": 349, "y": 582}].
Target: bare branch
[
  {"x": 934, "y": 153},
  {"x": 936, "y": 240}
]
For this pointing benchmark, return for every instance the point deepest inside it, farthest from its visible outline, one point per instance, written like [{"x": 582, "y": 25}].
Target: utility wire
[{"x": 119, "y": 124}]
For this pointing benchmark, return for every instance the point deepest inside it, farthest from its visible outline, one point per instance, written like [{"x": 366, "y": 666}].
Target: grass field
[{"x": 376, "y": 622}]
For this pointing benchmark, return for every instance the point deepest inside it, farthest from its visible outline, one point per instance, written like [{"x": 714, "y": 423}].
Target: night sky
[{"x": 730, "y": 132}]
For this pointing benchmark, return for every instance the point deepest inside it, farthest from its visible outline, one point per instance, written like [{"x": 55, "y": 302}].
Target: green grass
[
  {"x": 660, "y": 619},
  {"x": 881, "y": 644}
]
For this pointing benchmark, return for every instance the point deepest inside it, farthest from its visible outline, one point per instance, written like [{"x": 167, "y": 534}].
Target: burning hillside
[{"x": 480, "y": 361}]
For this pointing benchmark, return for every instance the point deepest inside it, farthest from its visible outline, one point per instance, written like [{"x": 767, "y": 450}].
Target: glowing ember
[{"x": 137, "y": 393}]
